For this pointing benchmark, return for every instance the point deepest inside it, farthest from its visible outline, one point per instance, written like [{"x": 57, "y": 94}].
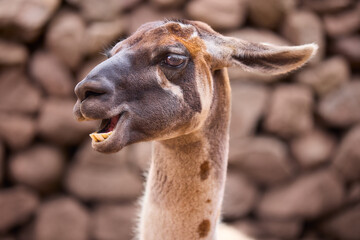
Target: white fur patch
[
  {"x": 183, "y": 25},
  {"x": 169, "y": 86},
  {"x": 189, "y": 26},
  {"x": 225, "y": 232},
  {"x": 193, "y": 35}
]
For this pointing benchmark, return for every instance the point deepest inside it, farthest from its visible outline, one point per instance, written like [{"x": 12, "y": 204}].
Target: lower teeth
[{"x": 99, "y": 137}]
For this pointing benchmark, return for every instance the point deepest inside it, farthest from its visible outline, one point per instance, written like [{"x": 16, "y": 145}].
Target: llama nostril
[
  {"x": 92, "y": 93},
  {"x": 86, "y": 89}
]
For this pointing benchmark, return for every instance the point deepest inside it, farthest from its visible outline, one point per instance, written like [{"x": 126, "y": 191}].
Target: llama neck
[{"x": 186, "y": 180}]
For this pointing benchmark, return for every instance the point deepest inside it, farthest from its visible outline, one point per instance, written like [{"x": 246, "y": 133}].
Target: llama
[{"x": 168, "y": 83}]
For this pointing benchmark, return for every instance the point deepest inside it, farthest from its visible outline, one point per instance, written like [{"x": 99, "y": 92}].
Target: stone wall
[{"x": 294, "y": 164}]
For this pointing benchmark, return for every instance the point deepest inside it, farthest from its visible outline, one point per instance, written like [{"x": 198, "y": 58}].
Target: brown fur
[
  {"x": 185, "y": 109},
  {"x": 204, "y": 228},
  {"x": 204, "y": 170}
]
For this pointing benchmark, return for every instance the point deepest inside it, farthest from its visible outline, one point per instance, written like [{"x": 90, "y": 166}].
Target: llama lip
[{"x": 107, "y": 128}]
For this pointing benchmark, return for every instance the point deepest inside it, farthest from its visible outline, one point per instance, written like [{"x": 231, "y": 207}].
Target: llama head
[{"x": 158, "y": 83}]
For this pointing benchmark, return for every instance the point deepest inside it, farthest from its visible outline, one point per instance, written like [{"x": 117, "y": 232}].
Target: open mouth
[{"x": 107, "y": 128}]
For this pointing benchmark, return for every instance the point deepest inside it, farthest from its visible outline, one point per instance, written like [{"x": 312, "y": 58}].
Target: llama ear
[{"x": 258, "y": 57}]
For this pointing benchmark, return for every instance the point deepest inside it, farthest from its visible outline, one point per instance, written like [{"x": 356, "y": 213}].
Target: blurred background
[{"x": 294, "y": 164}]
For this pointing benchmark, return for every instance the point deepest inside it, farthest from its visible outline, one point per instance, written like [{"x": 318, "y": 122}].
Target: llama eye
[{"x": 174, "y": 60}]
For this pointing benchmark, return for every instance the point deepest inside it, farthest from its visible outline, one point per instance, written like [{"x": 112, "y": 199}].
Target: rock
[
  {"x": 354, "y": 194},
  {"x": 226, "y": 14},
  {"x": 17, "y": 130},
  {"x": 269, "y": 14},
  {"x": 248, "y": 106},
  {"x": 263, "y": 159},
  {"x": 263, "y": 229},
  {"x": 349, "y": 47},
  {"x": 347, "y": 158},
  {"x": 2, "y": 158},
  {"x": 326, "y": 5},
  {"x": 65, "y": 38},
  {"x": 57, "y": 124},
  {"x": 6, "y": 238},
  {"x": 26, "y": 232},
  {"x": 145, "y": 13},
  {"x": 51, "y": 74},
  {"x": 16, "y": 206},
  {"x": 24, "y": 19},
  {"x": 311, "y": 236},
  {"x": 313, "y": 148},
  {"x": 341, "y": 108},
  {"x": 87, "y": 66},
  {"x": 14, "y": 84},
  {"x": 100, "y": 35},
  {"x": 255, "y": 35},
  {"x": 101, "y": 177},
  {"x": 259, "y": 36},
  {"x": 62, "y": 218},
  {"x": 237, "y": 74},
  {"x": 101, "y": 183},
  {"x": 290, "y": 111},
  {"x": 249, "y": 228},
  {"x": 39, "y": 167},
  {"x": 94, "y": 10},
  {"x": 303, "y": 27},
  {"x": 113, "y": 222},
  {"x": 227, "y": 231},
  {"x": 286, "y": 229},
  {"x": 167, "y": 4},
  {"x": 140, "y": 155},
  {"x": 87, "y": 155},
  {"x": 241, "y": 196},
  {"x": 12, "y": 53},
  {"x": 344, "y": 225},
  {"x": 309, "y": 196},
  {"x": 343, "y": 23},
  {"x": 327, "y": 76}
]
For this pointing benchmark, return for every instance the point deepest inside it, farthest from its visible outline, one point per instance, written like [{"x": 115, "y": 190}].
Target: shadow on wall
[{"x": 294, "y": 163}]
